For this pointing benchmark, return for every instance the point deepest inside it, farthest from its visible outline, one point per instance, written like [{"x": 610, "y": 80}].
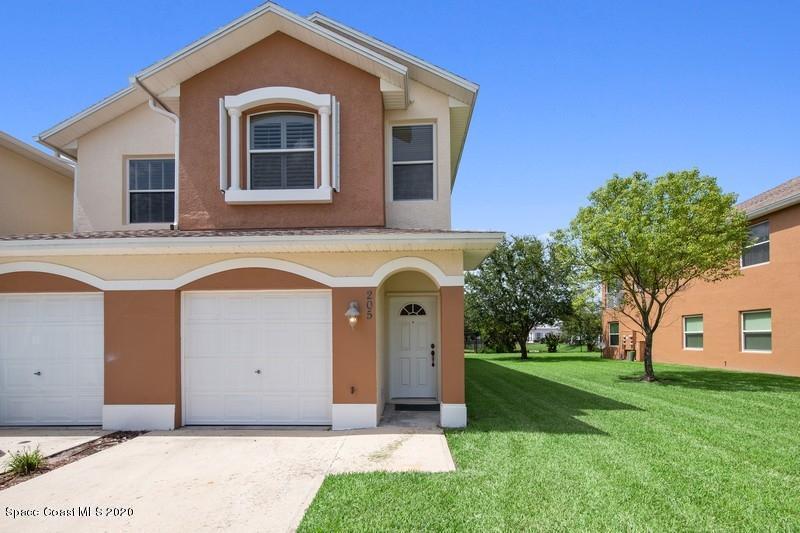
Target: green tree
[
  {"x": 584, "y": 323},
  {"x": 654, "y": 237},
  {"x": 521, "y": 285}
]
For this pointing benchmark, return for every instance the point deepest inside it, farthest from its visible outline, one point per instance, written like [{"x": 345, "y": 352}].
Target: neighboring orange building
[{"x": 749, "y": 322}]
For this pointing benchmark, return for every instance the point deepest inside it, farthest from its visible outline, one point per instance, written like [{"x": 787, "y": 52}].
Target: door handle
[
  {"x": 38, "y": 373},
  {"x": 433, "y": 357},
  {"x": 258, "y": 371}
]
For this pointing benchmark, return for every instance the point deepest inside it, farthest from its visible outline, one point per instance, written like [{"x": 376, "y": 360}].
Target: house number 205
[{"x": 370, "y": 303}]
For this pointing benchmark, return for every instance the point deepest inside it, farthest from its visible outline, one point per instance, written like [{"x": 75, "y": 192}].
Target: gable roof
[
  {"x": 37, "y": 156},
  {"x": 391, "y": 65},
  {"x": 784, "y": 195}
]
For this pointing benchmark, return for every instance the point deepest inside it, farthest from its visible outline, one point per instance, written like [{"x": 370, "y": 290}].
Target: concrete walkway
[
  {"x": 208, "y": 479},
  {"x": 50, "y": 441}
]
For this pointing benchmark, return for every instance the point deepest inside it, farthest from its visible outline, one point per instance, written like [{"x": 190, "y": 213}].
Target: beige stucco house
[
  {"x": 261, "y": 236},
  {"x": 35, "y": 189}
]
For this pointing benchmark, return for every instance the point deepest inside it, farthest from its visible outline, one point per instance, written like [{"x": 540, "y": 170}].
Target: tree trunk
[
  {"x": 649, "y": 375},
  {"x": 523, "y": 348}
]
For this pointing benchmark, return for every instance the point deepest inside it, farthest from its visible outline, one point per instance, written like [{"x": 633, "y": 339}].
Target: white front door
[
  {"x": 257, "y": 357},
  {"x": 413, "y": 349},
  {"x": 51, "y": 359}
]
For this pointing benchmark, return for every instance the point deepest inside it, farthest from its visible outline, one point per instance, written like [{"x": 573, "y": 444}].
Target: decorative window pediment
[{"x": 292, "y": 156}]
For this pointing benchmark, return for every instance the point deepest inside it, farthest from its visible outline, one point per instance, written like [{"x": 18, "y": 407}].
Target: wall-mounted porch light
[{"x": 352, "y": 313}]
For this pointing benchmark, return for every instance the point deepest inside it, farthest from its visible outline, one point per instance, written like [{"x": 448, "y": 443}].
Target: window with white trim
[
  {"x": 757, "y": 252},
  {"x": 693, "y": 332},
  {"x": 151, "y": 191},
  {"x": 281, "y": 151},
  {"x": 757, "y": 331},
  {"x": 613, "y": 333},
  {"x": 413, "y": 173}
]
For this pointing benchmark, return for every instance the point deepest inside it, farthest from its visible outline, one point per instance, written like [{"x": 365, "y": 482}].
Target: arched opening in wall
[{"x": 408, "y": 365}]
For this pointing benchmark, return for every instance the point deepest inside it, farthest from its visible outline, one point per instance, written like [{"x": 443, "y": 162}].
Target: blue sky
[{"x": 571, "y": 92}]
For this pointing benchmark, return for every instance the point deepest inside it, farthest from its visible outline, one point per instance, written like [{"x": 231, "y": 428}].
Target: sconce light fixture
[{"x": 352, "y": 313}]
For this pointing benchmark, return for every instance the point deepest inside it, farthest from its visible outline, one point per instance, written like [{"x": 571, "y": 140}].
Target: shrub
[
  {"x": 552, "y": 340},
  {"x": 26, "y": 461}
]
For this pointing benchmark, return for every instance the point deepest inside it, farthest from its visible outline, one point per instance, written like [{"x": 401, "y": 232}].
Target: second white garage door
[{"x": 257, "y": 357}]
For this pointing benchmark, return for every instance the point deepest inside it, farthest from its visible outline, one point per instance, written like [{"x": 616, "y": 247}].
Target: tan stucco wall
[
  {"x": 101, "y": 203},
  {"x": 427, "y": 106},
  {"x": 33, "y": 198},
  {"x": 171, "y": 266},
  {"x": 774, "y": 286}
]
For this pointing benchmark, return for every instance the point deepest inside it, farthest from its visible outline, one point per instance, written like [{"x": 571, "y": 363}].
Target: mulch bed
[{"x": 9, "y": 479}]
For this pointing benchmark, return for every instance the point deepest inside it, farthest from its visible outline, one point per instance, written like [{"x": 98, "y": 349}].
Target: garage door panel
[
  {"x": 51, "y": 359},
  {"x": 285, "y": 336}
]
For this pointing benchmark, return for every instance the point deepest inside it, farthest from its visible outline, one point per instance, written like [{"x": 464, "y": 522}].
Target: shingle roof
[
  {"x": 784, "y": 195},
  {"x": 161, "y": 233}
]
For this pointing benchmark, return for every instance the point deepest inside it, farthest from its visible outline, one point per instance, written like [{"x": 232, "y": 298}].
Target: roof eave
[
  {"x": 479, "y": 243},
  {"x": 772, "y": 207}
]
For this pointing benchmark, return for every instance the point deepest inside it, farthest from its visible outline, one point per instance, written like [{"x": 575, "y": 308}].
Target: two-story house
[
  {"x": 261, "y": 236},
  {"x": 748, "y": 322}
]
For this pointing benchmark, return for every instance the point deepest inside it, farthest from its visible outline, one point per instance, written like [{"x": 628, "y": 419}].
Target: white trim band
[
  {"x": 354, "y": 416},
  {"x": 382, "y": 273},
  {"x": 139, "y": 417}
]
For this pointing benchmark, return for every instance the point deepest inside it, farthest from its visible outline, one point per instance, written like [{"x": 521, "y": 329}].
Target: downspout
[{"x": 174, "y": 118}]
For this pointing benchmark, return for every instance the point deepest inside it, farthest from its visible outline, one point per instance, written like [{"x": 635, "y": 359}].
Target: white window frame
[
  {"x": 769, "y": 235},
  {"x": 617, "y": 334},
  {"x": 434, "y": 161},
  {"x": 701, "y": 332},
  {"x": 128, "y": 189},
  {"x": 232, "y": 107},
  {"x": 251, "y": 150},
  {"x": 741, "y": 328}
]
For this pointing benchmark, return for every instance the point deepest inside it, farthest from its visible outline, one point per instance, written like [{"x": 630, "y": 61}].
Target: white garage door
[
  {"x": 257, "y": 357},
  {"x": 51, "y": 359}
]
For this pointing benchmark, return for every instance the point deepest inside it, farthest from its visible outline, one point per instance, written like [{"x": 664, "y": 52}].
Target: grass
[
  {"x": 572, "y": 442},
  {"x": 25, "y": 461}
]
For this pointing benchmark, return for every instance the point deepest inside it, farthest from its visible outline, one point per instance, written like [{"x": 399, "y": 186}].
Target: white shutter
[
  {"x": 335, "y": 137},
  {"x": 223, "y": 146}
]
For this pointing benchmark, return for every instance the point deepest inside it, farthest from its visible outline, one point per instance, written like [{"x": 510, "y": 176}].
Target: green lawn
[{"x": 571, "y": 442}]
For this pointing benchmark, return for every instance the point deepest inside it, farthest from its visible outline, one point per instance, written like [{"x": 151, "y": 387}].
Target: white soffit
[{"x": 229, "y": 40}]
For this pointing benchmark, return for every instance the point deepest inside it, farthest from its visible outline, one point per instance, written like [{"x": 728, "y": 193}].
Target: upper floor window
[
  {"x": 151, "y": 190},
  {"x": 757, "y": 251},
  {"x": 413, "y": 170},
  {"x": 281, "y": 151},
  {"x": 614, "y": 295}
]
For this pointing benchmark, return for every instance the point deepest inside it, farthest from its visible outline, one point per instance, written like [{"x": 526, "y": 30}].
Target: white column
[
  {"x": 235, "y": 149},
  {"x": 325, "y": 141}
]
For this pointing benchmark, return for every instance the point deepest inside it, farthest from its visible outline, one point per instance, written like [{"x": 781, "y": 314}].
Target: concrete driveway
[
  {"x": 50, "y": 441},
  {"x": 212, "y": 479}
]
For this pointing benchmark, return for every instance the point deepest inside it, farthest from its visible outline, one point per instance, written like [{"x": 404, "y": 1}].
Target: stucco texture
[
  {"x": 33, "y": 198},
  {"x": 280, "y": 60}
]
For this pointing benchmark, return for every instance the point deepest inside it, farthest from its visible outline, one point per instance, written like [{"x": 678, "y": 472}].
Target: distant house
[
  {"x": 745, "y": 323},
  {"x": 538, "y": 333},
  {"x": 35, "y": 190}
]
